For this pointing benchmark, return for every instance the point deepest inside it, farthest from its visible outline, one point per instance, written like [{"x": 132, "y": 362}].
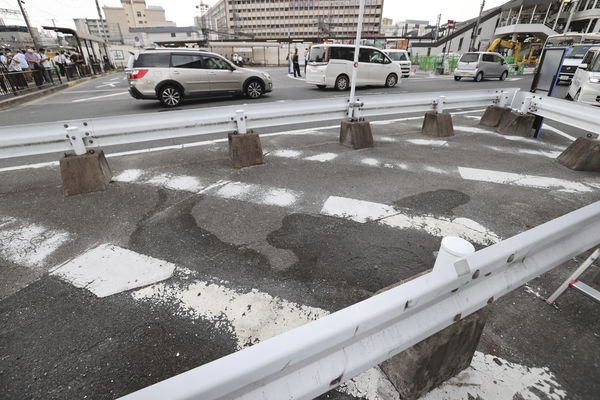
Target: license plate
[
  {"x": 563, "y": 78},
  {"x": 464, "y": 74}
]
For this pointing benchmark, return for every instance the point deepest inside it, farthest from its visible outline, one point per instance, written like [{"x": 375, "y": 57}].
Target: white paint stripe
[
  {"x": 251, "y": 317},
  {"x": 28, "y": 244},
  {"x": 511, "y": 150},
  {"x": 99, "y": 97},
  {"x": 371, "y": 162},
  {"x": 428, "y": 142},
  {"x": 491, "y": 377},
  {"x": 365, "y": 211},
  {"x": 559, "y": 132},
  {"x": 258, "y": 194},
  {"x": 508, "y": 178},
  {"x": 175, "y": 182},
  {"x": 286, "y": 153},
  {"x": 323, "y": 157},
  {"x": 108, "y": 269}
]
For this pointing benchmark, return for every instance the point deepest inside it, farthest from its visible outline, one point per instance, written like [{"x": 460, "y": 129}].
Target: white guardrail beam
[
  {"x": 578, "y": 115},
  {"x": 317, "y": 357},
  {"x": 82, "y": 134}
]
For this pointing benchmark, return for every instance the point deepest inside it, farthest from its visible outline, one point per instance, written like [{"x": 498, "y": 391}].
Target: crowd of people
[{"x": 21, "y": 68}]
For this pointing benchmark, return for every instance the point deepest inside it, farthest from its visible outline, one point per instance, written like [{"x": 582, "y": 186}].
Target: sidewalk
[{"x": 12, "y": 100}]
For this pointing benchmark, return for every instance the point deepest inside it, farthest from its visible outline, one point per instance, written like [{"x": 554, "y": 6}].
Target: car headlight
[
  {"x": 594, "y": 79},
  {"x": 266, "y": 75}
]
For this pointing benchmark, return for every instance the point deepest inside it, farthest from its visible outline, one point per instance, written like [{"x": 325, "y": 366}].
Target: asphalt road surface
[{"x": 222, "y": 258}]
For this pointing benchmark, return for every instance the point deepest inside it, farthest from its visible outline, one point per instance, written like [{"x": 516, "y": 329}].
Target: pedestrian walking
[{"x": 296, "y": 64}]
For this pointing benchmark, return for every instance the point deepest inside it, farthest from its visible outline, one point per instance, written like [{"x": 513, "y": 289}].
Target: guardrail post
[
  {"x": 85, "y": 171},
  {"x": 495, "y": 113},
  {"x": 355, "y": 131},
  {"x": 245, "y": 148},
  {"x": 582, "y": 155},
  {"x": 431, "y": 362},
  {"x": 438, "y": 122},
  {"x": 519, "y": 122}
]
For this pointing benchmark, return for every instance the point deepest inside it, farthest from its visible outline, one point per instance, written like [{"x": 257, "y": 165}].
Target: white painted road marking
[
  {"x": 108, "y": 270},
  {"x": 28, "y": 244},
  {"x": 365, "y": 211},
  {"x": 100, "y": 97},
  {"x": 258, "y": 194},
  {"x": 559, "y": 132},
  {"x": 508, "y": 178}
]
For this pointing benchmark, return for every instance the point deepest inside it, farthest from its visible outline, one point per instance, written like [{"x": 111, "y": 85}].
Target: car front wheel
[
  {"x": 254, "y": 90},
  {"x": 170, "y": 96},
  {"x": 391, "y": 80}
]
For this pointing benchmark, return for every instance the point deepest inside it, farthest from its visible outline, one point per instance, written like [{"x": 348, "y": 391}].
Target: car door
[
  {"x": 499, "y": 64},
  {"x": 223, "y": 78},
  {"x": 187, "y": 70},
  {"x": 364, "y": 67},
  {"x": 581, "y": 74},
  {"x": 489, "y": 67}
]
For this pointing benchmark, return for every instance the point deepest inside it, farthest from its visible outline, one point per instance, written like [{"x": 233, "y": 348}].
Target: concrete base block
[
  {"x": 428, "y": 364},
  {"x": 493, "y": 116},
  {"x": 356, "y": 134},
  {"x": 515, "y": 123},
  {"x": 245, "y": 150},
  {"x": 582, "y": 155},
  {"x": 85, "y": 173},
  {"x": 438, "y": 124}
]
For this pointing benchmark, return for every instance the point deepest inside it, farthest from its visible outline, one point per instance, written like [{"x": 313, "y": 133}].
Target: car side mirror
[{"x": 583, "y": 66}]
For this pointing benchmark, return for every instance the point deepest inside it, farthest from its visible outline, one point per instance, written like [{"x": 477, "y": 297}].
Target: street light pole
[
  {"x": 102, "y": 33},
  {"x": 361, "y": 13},
  {"x": 26, "y": 18}
]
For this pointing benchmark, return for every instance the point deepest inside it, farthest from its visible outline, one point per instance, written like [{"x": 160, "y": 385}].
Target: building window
[
  {"x": 460, "y": 43},
  {"x": 173, "y": 34},
  {"x": 139, "y": 14},
  {"x": 189, "y": 34}
]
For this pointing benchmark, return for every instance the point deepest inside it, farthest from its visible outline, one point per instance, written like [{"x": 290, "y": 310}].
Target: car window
[
  {"x": 341, "y": 53},
  {"x": 487, "y": 58},
  {"x": 469, "y": 57},
  {"x": 588, "y": 57},
  {"x": 215, "y": 63},
  {"x": 317, "y": 54},
  {"x": 596, "y": 64},
  {"x": 578, "y": 51},
  {"x": 186, "y": 61},
  {"x": 498, "y": 59},
  {"x": 363, "y": 55},
  {"x": 152, "y": 60},
  {"x": 397, "y": 56}
]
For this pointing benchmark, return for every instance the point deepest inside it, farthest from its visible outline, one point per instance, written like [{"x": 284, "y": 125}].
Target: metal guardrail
[
  {"x": 317, "y": 357},
  {"x": 581, "y": 116},
  {"x": 84, "y": 134}
]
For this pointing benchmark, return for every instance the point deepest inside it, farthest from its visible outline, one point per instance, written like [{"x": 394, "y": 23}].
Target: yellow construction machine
[{"x": 516, "y": 46}]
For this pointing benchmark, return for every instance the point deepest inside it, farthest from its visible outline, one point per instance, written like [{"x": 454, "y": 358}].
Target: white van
[
  {"x": 401, "y": 58},
  {"x": 585, "y": 87},
  {"x": 573, "y": 59},
  {"x": 331, "y": 65}
]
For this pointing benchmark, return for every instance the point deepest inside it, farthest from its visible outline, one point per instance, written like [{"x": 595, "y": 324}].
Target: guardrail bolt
[{"x": 476, "y": 274}]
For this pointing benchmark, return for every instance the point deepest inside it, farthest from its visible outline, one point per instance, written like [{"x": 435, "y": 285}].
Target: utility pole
[
  {"x": 437, "y": 27},
  {"x": 476, "y": 30},
  {"x": 26, "y": 18},
  {"x": 102, "y": 32}
]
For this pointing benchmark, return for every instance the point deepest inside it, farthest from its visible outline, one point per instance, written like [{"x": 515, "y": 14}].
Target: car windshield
[
  {"x": 470, "y": 57},
  {"x": 578, "y": 52},
  {"x": 563, "y": 41},
  {"x": 397, "y": 56},
  {"x": 596, "y": 66},
  {"x": 317, "y": 54}
]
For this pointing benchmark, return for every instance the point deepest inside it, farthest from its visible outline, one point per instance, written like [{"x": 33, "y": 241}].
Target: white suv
[{"x": 170, "y": 75}]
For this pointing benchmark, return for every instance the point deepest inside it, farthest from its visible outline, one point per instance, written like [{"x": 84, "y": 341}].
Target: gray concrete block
[
  {"x": 438, "y": 124},
  {"x": 356, "y": 134},
  {"x": 426, "y": 365},
  {"x": 515, "y": 123},
  {"x": 85, "y": 173},
  {"x": 245, "y": 149},
  {"x": 493, "y": 115},
  {"x": 582, "y": 155}
]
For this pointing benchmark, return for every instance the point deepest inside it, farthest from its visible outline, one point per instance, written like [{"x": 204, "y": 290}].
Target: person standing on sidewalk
[
  {"x": 20, "y": 55},
  {"x": 15, "y": 73},
  {"x": 34, "y": 64},
  {"x": 296, "y": 64},
  {"x": 60, "y": 60},
  {"x": 45, "y": 63}
]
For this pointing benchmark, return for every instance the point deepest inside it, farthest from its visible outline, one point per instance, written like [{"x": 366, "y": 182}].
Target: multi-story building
[
  {"x": 99, "y": 28},
  {"x": 132, "y": 14},
  {"x": 301, "y": 19},
  {"x": 410, "y": 27}
]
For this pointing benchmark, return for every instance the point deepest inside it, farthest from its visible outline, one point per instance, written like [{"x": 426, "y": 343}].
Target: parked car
[
  {"x": 401, "y": 58},
  {"x": 573, "y": 59},
  {"x": 331, "y": 65},
  {"x": 171, "y": 75},
  {"x": 481, "y": 65},
  {"x": 585, "y": 87}
]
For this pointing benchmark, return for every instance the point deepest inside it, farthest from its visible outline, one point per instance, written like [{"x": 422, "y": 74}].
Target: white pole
[{"x": 361, "y": 12}]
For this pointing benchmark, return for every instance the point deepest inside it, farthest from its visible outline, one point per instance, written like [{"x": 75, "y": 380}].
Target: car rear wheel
[
  {"x": 170, "y": 96},
  {"x": 254, "y": 89},
  {"x": 457, "y": 78},
  {"x": 342, "y": 82},
  {"x": 479, "y": 77},
  {"x": 391, "y": 80},
  {"x": 503, "y": 76}
]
